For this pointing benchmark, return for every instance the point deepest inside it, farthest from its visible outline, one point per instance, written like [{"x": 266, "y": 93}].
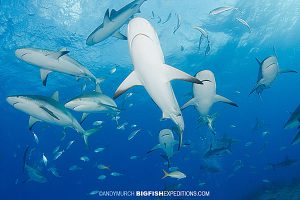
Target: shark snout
[
  {"x": 21, "y": 52},
  {"x": 12, "y": 100}
]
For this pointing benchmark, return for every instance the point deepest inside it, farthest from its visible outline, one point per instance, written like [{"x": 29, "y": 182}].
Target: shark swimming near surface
[{"x": 113, "y": 21}]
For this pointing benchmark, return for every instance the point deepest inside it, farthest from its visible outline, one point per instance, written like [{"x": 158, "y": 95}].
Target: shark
[
  {"x": 294, "y": 120},
  {"x": 49, "y": 110},
  {"x": 113, "y": 21},
  {"x": 93, "y": 102},
  {"x": 58, "y": 61},
  {"x": 284, "y": 163},
  {"x": 151, "y": 71},
  {"x": 217, "y": 151},
  {"x": 205, "y": 96},
  {"x": 166, "y": 143},
  {"x": 268, "y": 72}
]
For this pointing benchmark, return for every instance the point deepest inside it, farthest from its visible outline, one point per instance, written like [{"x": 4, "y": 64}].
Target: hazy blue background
[{"x": 67, "y": 23}]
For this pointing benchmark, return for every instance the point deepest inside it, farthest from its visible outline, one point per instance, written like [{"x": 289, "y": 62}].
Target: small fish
[
  {"x": 103, "y": 167},
  {"x": 159, "y": 19},
  {"x": 265, "y": 133},
  {"x": 54, "y": 171},
  {"x": 56, "y": 149},
  {"x": 207, "y": 50},
  {"x": 97, "y": 123},
  {"x": 36, "y": 139},
  {"x": 58, "y": 154},
  {"x": 168, "y": 18},
  {"x": 238, "y": 92},
  {"x": 45, "y": 160},
  {"x": 181, "y": 48},
  {"x": 133, "y": 134},
  {"x": 130, "y": 105},
  {"x": 84, "y": 158},
  {"x": 244, "y": 23},
  {"x": 116, "y": 174},
  {"x": 175, "y": 174},
  {"x": 98, "y": 150},
  {"x": 201, "y": 183},
  {"x": 133, "y": 126},
  {"x": 74, "y": 168},
  {"x": 178, "y": 23},
  {"x": 101, "y": 177},
  {"x": 202, "y": 31},
  {"x": 133, "y": 157},
  {"x": 129, "y": 95},
  {"x": 122, "y": 126},
  {"x": 69, "y": 144},
  {"x": 220, "y": 10},
  {"x": 266, "y": 181},
  {"x": 248, "y": 144},
  {"x": 94, "y": 192},
  {"x": 152, "y": 17},
  {"x": 113, "y": 70},
  {"x": 233, "y": 126}
]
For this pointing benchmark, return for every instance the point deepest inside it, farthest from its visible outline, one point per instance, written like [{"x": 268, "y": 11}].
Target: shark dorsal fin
[
  {"x": 106, "y": 17},
  {"x": 55, "y": 96},
  {"x": 113, "y": 13},
  {"x": 57, "y": 55}
]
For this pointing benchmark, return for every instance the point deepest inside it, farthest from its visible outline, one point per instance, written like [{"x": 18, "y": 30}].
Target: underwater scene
[{"x": 150, "y": 99}]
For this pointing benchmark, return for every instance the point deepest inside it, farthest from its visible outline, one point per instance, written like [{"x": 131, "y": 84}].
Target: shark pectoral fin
[
  {"x": 219, "y": 98},
  {"x": 282, "y": 71},
  {"x": 49, "y": 112},
  {"x": 58, "y": 54},
  {"x": 191, "y": 102},
  {"x": 55, "y": 96},
  {"x": 129, "y": 82},
  {"x": 175, "y": 74},
  {"x": 119, "y": 35},
  {"x": 44, "y": 75},
  {"x": 156, "y": 147},
  {"x": 32, "y": 121},
  {"x": 84, "y": 116},
  {"x": 106, "y": 17}
]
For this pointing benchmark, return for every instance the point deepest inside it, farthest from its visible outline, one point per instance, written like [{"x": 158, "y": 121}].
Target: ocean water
[{"x": 242, "y": 174}]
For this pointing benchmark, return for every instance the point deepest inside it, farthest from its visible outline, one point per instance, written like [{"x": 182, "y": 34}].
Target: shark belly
[
  {"x": 148, "y": 64},
  {"x": 204, "y": 96}
]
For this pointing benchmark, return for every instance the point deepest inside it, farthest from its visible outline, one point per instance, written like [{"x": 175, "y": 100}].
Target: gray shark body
[{"x": 113, "y": 21}]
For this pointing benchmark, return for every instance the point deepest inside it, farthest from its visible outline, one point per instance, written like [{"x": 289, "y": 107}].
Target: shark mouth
[
  {"x": 139, "y": 34},
  {"x": 24, "y": 54},
  {"x": 270, "y": 65}
]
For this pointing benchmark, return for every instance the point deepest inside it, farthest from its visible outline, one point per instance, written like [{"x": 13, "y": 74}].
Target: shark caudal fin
[
  {"x": 88, "y": 133},
  {"x": 166, "y": 174}
]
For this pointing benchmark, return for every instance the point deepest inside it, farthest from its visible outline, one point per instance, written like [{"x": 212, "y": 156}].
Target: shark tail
[
  {"x": 88, "y": 133},
  {"x": 166, "y": 174}
]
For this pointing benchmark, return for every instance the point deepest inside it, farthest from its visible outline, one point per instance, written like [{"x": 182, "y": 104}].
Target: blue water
[{"x": 67, "y": 23}]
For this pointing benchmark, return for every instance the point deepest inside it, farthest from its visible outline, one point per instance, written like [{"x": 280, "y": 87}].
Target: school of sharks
[{"x": 150, "y": 70}]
